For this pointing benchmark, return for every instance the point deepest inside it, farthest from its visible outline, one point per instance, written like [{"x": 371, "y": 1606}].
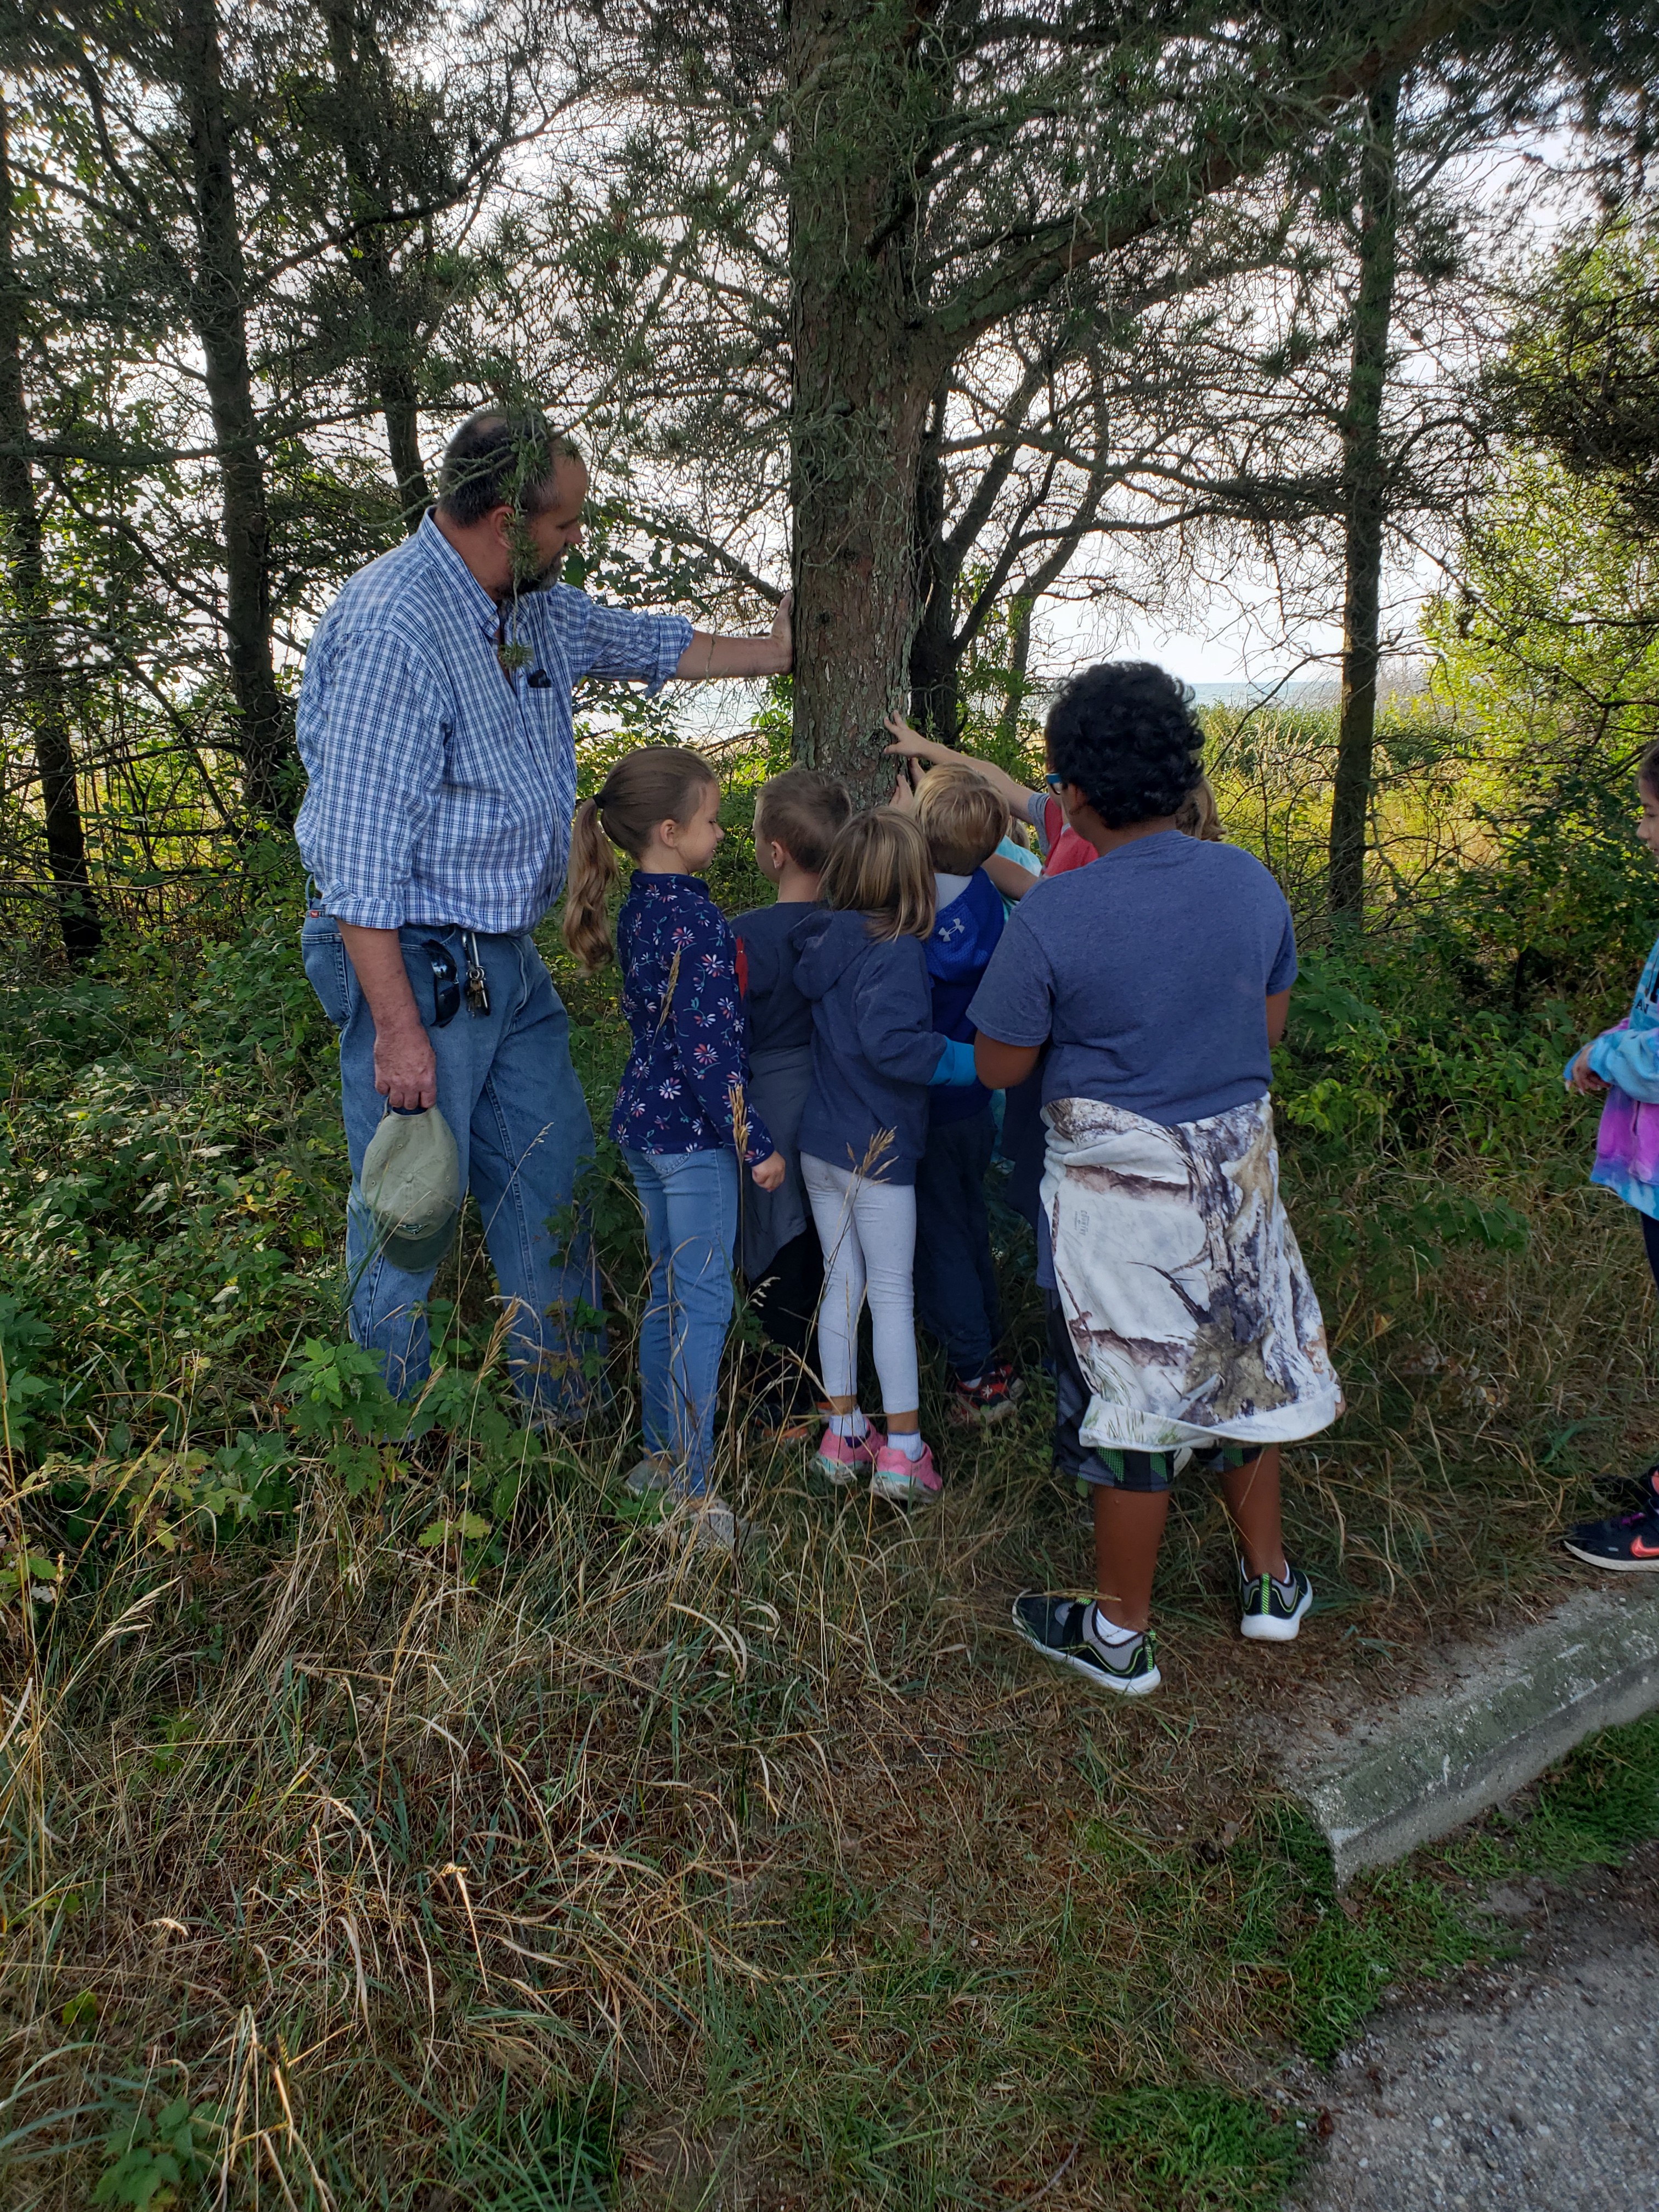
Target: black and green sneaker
[
  {"x": 1058, "y": 1628},
  {"x": 1271, "y": 1612}
]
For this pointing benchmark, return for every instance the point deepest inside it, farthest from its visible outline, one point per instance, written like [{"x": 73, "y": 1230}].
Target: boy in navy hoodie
[{"x": 964, "y": 820}]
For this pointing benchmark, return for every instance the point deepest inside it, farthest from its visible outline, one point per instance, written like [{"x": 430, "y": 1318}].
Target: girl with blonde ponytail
[{"x": 682, "y": 1117}]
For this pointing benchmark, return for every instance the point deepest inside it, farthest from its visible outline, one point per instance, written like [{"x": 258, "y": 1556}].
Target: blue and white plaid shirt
[{"x": 440, "y": 789}]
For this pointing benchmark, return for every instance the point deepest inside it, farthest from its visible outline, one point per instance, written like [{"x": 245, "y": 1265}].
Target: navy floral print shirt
[{"x": 679, "y": 966}]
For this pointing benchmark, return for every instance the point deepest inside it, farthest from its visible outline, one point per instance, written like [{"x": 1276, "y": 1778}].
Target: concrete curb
[{"x": 1509, "y": 1711}]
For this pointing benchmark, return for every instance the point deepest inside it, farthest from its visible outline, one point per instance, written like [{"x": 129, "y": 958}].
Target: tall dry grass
[
  {"x": 586, "y": 1866},
  {"x": 772, "y": 1869}
]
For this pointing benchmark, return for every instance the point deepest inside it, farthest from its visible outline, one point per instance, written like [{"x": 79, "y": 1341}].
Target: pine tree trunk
[
  {"x": 399, "y": 404},
  {"x": 935, "y": 678},
  {"x": 935, "y": 691},
  {"x": 218, "y": 315},
  {"x": 360, "y": 77},
  {"x": 1019, "y": 660},
  {"x": 1364, "y": 509},
  {"x": 855, "y": 437},
  {"x": 861, "y": 396},
  {"x": 45, "y": 694}
]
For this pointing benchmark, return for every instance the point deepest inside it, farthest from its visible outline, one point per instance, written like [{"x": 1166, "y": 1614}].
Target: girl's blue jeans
[{"x": 689, "y": 1200}]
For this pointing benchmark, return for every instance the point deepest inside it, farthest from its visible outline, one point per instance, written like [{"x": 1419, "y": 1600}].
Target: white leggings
[{"x": 868, "y": 1232}]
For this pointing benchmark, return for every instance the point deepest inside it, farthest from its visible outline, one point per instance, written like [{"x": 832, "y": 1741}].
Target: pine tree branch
[{"x": 1048, "y": 252}]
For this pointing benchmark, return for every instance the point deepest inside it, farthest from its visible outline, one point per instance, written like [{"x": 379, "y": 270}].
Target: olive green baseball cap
[{"x": 411, "y": 1184}]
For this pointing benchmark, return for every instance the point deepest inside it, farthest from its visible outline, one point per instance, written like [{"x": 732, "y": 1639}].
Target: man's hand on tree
[
  {"x": 406, "y": 1068},
  {"x": 773, "y": 654},
  {"x": 783, "y": 630}
]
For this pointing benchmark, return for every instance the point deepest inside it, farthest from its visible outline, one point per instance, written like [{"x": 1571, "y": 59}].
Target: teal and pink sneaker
[
  {"x": 906, "y": 1482},
  {"x": 841, "y": 1460}
]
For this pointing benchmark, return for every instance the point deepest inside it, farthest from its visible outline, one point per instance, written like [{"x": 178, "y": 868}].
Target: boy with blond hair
[{"x": 964, "y": 820}]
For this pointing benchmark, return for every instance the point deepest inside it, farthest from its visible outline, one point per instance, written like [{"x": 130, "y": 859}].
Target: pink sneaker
[
  {"x": 906, "y": 1482},
  {"x": 841, "y": 1460}
]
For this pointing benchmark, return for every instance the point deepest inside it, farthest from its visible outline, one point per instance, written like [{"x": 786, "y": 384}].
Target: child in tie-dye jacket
[{"x": 1621, "y": 1067}]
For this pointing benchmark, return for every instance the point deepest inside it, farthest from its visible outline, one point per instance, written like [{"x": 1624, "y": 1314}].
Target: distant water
[
  {"x": 1317, "y": 692},
  {"x": 1405, "y": 679}
]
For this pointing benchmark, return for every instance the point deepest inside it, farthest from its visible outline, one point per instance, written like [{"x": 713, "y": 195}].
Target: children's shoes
[
  {"x": 905, "y": 1480},
  {"x": 648, "y": 1475},
  {"x": 841, "y": 1460},
  {"x": 989, "y": 1397}
]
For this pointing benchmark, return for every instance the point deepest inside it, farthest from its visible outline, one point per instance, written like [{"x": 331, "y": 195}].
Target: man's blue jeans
[
  {"x": 690, "y": 1201},
  {"x": 507, "y": 1090}
]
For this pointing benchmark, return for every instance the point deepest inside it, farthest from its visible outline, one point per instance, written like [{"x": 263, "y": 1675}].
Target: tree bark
[
  {"x": 44, "y": 693},
  {"x": 1019, "y": 660},
  {"x": 400, "y": 406},
  {"x": 855, "y": 441},
  {"x": 1364, "y": 510},
  {"x": 218, "y": 293},
  {"x": 861, "y": 388},
  {"x": 935, "y": 690},
  {"x": 363, "y": 114}
]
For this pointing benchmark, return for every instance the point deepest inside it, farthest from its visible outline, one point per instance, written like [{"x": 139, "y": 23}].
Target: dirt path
[{"x": 1528, "y": 2087}]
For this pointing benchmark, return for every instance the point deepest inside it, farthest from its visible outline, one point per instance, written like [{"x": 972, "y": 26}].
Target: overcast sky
[{"x": 1233, "y": 632}]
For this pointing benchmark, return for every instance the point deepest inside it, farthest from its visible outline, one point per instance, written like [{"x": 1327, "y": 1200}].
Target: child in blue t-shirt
[
  {"x": 797, "y": 818},
  {"x": 1181, "y": 1319},
  {"x": 963, "y": 820},
  {"x": 683, "y": 1115}
]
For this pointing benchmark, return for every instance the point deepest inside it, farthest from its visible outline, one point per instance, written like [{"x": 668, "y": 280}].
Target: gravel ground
[{"x": 1526, "y": 2088}]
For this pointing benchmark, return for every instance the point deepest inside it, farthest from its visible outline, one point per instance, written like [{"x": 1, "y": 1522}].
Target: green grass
[
  {"x": 1194, "y": 2151},
  {"x": 435, "y": 1834},
  {"x": 1592, "y": 1810}
]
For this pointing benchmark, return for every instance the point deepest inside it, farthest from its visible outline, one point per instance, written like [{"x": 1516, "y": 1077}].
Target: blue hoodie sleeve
[
  {"x": 707, "y": 1013},
  {"x": 956, "y": 1064},
  {"x": 895, "y": 1009}
]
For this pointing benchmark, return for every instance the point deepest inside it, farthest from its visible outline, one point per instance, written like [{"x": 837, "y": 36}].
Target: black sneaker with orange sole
[
  {"x": 1627, "y": 1542},
  {"x": 992, "y": 1397}
]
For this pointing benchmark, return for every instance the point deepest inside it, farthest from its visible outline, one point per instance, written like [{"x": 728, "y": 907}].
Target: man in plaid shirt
[{"x": 435, "y": 723}]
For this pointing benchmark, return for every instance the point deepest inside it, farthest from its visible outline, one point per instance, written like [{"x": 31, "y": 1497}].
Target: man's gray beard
[{"x": 538, "y": 579}]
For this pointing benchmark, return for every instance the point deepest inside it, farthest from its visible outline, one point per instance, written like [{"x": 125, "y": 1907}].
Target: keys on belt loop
[{"x": 478, "y": 990}]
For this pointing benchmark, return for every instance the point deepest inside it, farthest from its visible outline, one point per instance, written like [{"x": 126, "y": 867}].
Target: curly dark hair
[{"x": 1125, "y": 734}]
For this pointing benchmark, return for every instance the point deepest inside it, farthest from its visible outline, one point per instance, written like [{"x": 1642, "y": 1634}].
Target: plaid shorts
[
  {"x": 1116, "y": 1470},
  {"x": 1150, "y": 1470}
]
